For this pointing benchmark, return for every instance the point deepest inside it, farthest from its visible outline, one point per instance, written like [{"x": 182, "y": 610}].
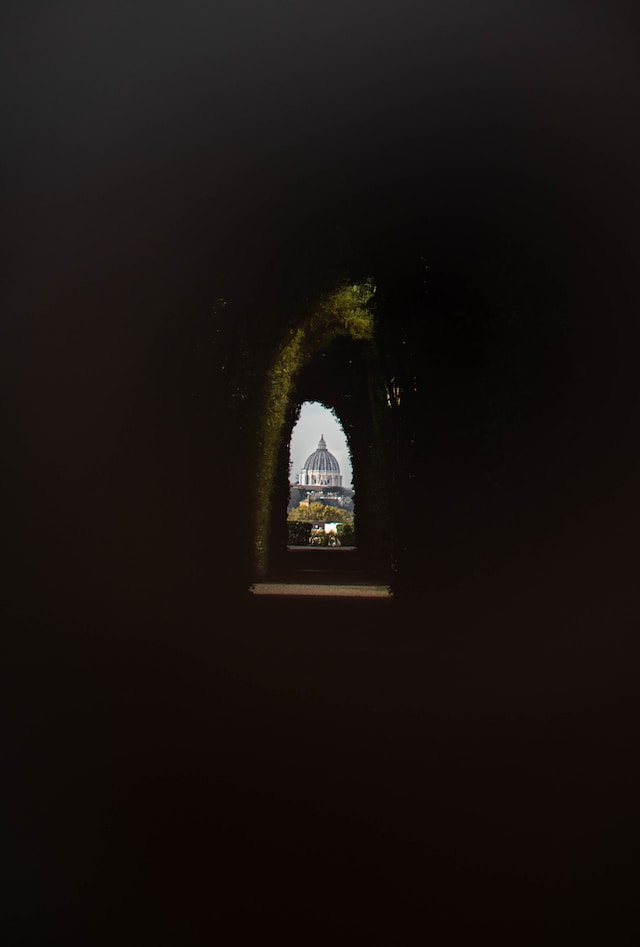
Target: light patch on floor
[{"x": 338, "y": 591}]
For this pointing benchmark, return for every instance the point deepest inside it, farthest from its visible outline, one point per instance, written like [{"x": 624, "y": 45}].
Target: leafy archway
[{"x": 346, "y": 312}]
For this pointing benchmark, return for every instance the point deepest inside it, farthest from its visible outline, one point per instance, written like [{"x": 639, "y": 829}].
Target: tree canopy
[{"x": 319, "y": 513}]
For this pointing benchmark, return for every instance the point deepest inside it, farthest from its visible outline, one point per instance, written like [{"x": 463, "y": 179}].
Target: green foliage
[
  {"x": 298, "y": 533},
  {"x": 318, "y": 537},
  {"x": 346, "y": 534},
  {"x": 319, "y": 513},
  {"x": 347, "y": 310}
]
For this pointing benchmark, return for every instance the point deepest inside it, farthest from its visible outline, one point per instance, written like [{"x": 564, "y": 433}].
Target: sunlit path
[{"x": 324, "y": 590}]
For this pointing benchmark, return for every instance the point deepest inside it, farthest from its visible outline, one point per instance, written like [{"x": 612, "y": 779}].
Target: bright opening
[
  {"x": 314, "y": 422},
  {"x": 321, "y": 507}
]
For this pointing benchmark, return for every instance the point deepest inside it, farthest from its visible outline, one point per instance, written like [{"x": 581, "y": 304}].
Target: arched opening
[
  {"x": 330, "y": 357},
  {"x": 320, "y": 511}
]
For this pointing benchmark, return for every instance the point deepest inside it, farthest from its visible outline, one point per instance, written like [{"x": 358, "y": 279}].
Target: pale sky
[{"x": 316, "y": 421}]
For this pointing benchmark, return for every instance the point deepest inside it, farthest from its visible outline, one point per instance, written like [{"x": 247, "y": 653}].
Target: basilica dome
[{"x": 321, "y": 469}]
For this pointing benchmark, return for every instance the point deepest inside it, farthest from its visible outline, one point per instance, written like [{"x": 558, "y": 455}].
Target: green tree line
[{"x": 319, "y": 513}]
